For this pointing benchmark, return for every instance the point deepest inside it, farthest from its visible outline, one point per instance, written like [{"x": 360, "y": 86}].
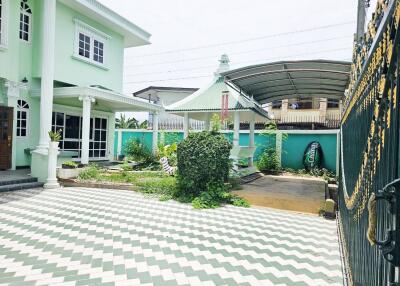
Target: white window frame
[
  {"x": 4, "y": 24},
  {"x": 93, "y": 34},
  {"x": 79, "y": 140},
  {"x": 30, "y": 17},
  {"x": 20, "y": 110}
]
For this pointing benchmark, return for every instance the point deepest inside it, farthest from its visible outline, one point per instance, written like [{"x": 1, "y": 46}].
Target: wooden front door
[{"x": 6, "y": 131}]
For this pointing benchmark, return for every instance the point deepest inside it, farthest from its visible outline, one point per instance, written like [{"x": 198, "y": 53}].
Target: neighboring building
[
  {"x": 301, "y": 94},
  {"x": 164, "y": 95},
  {"x": 306, "y": 113},
  {"x": 61, "y": 65}
]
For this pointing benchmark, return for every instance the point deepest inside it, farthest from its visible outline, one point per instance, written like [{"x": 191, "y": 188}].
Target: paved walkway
[{"x": 111, "y": 237}]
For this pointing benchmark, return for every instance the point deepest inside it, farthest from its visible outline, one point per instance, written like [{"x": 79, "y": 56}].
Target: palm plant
[
  {"x": 144, "y": 125},
  {"x": 126, "y": 123}
]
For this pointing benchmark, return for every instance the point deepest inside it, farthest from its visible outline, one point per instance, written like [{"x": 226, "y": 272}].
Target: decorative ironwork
[
  {"x": 370, "y": 145},
  {"x": 390, "y": 246}
]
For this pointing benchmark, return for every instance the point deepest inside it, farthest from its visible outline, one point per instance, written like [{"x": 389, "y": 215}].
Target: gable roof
[
  {"x": 133, "y": 34},
  {"x": 164, "y": 88},
  {"x": 209, "y": 99},
  {"x": 151, "y": 92}
]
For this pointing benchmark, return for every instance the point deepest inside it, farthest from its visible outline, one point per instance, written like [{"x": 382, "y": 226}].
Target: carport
[{"x": 291, "y": 80}]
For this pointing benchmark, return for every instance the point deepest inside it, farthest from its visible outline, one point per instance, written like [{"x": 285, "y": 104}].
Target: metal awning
[{"x": 292, "y": 79}]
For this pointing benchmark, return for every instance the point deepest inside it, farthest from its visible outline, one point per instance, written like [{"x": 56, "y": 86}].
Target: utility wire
[
  {"x": 238, "y": 53},
  {"x": 248, "y": 39},
  {"x": 238, "y": 63}
]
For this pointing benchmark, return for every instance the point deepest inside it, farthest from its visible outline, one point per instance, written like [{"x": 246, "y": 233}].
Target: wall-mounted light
[{"x": 24, "y": 80}]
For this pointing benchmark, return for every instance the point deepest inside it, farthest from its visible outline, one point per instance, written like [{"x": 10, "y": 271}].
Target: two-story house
[{"x": 61, "y": 68}]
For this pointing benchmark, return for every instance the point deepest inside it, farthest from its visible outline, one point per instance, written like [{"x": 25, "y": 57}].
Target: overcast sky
[{"x": 188, "y": 36}]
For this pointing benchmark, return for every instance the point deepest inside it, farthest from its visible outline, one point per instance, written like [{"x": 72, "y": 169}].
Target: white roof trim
[
  {"x": 102, "y": 94},
  {"x": 134, "y": 35}
]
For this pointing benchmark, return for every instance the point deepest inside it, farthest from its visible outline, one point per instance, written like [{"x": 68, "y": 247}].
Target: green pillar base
[{"x": 39, "y": 166}]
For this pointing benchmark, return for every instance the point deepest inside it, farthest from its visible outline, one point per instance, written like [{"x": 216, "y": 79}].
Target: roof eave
[
  {"x": 133, "y": 34},
  {"x": 254, "y": 109}
]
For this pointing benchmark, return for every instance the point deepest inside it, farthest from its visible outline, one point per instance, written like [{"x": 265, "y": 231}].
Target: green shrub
[
  {"x": 126, "y": 167},
  {"x": 216, "y": 194},
  {"x": 70, "y": 164},
  {"x": 215, "y": 123},
  {"x": 91, "y": 172},
  {"x": 203, "y": 158},
  {"x": 168, "y": 151},
  {"x": 161, "y": 186},
  {"x": 136, "y": 150},
  {"x": 165, "y": 197},
  {"x": 239, "y": 202},
  {"x": 268, "y": 161}
]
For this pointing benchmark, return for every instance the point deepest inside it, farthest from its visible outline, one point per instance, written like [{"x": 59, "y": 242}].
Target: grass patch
[{"x": 163, "y": 186}]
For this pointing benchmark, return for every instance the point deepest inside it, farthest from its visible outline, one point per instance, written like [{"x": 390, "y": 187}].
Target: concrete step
[
  {"x": 18, "y": 181},
  {"x": 20, "y": 186}
]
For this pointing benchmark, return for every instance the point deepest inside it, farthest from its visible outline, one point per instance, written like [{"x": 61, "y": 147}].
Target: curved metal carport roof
[{"x": 292, "y": 79}]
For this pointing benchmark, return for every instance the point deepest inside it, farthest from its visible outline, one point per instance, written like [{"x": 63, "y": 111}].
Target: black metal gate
[{"x": 369, "y": 202}]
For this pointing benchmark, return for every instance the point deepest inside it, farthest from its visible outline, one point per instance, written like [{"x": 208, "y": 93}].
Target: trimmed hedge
[{"x": 203, "y": 158}]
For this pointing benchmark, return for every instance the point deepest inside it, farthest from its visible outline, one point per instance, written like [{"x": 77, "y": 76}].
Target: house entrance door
[{"x": 6, "y": 125}]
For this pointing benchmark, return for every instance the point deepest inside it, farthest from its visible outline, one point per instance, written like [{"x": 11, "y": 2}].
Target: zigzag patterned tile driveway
[{"x": 107, "y": 237}]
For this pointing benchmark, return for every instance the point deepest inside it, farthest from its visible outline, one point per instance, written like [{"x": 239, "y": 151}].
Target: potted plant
[
  {"x": 55, "y": 137},
  {"x": 69, "y": 165}
]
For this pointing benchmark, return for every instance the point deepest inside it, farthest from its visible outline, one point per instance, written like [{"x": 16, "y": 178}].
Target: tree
[
  {"x": 126, "y": 123},
  {"x": 144, "y": 125}
]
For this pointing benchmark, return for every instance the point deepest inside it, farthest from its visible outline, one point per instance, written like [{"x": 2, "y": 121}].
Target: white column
[
  {"x": 86, "y": 109},
  {"x": 155, "y": 132},
  {"x": 207, "y": 122},
  {"x": 251, "y": 137},
  {"x": 323, "y": 105},
  {"x": 51, "y": 182},
  {"x": 236, "y": 128},
  {"x": 46, "y": 95},
  {"x": 119, "y": 143},
  {"x": 111, "y": 137},
  {"x": 186, "y": 125},
  {"x": 278, "y": 147}
]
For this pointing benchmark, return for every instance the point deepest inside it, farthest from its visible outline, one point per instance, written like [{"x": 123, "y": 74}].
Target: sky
[{"x": 188, "y": 36}]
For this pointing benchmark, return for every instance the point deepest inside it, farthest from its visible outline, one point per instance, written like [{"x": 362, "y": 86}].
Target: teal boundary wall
[{"x": 293, "y": 145}]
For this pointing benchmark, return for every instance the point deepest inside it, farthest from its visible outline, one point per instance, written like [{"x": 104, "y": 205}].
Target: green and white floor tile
[{"x": 78, "y": 236}]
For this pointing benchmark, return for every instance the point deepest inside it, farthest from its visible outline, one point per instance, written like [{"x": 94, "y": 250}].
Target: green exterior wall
[
  {"x": 19, "y": 60},
  {"x": 292, "y": 147},
  {"x": 74, "y": 71}
]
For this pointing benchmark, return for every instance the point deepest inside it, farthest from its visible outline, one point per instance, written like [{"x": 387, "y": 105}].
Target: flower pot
[{"x": 67, "y": 166}]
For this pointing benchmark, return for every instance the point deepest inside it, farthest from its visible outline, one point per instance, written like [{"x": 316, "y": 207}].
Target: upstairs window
[
  {"x": 90, "y": 44},
  {"x": 84, "y": 45},
  {"x": 22, "y": 118},
  {"x": 98, "y": 53},
  {"x": 25, "y": 17}
]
